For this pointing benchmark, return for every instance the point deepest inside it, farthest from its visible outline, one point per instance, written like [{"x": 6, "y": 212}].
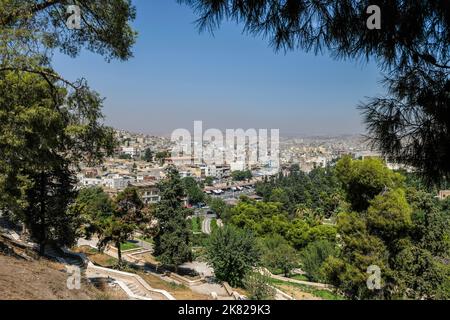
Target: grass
[
  {"x": 199, "y": 239},
  {"x": 196, "y": 224},
  {"x": 149, "y": 240},
  {"x": 300, "y": 277},
  {"x": 180, "y": 292},
  {"x": 99, "y": 259},
  {"x": 214, "y": 225},
  {"x": 128, "y": 246},
  {"x": 320, "y": 293}
]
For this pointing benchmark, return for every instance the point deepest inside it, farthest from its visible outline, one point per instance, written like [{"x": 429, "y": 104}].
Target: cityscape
[{"x": 342, "y": 194}]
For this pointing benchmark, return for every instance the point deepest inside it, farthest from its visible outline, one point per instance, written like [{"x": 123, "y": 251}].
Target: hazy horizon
[{"x": 229, "y": 80}]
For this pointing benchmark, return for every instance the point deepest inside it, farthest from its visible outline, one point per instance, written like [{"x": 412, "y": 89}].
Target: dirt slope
[{"x": 42, "y": 280}]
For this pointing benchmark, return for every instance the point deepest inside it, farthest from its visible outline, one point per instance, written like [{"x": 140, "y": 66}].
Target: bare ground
[{"x": 44, "y": 280}]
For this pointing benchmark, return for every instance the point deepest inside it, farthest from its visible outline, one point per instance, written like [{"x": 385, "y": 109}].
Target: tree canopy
[
  {"x": 172, "y": 241},
  {"x": 50, "y": 124},
  {"x": 232, "y": 253}
]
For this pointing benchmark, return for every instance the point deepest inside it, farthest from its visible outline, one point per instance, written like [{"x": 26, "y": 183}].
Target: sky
[{"x": 228, "y": 80}]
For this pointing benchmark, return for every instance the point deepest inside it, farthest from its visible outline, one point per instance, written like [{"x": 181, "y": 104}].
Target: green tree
[
  {"x": 358, "y": 250},
  {"x": 218, "y": 206},
  {"x": 365, "y": 179},
  {"x": 411, "y": 123},
  {"x": 257, "y": 285},
  {"x": 50, "y": 124},
  {"x": 232, "y": 253},
  {"x": 45, "y": 131},
  {"x": 389, "y": 216},
  {"x": 277, "y": 254},
  {"x": 125, "y": 156},
  {"x": 408, "y": 242},
  {"x": 92, "y": 205},
  {"x": 105, "y": 26},
  {"x": 162, "y": 156},
  {"x": 313, "y": 257},
  {"x": 241, "y": 175},
  {"x": 260, "y": 217},
  {"x": 172, "y": 241},
  {"x": 209, "y": 181},
  {"x": 193, "y": 191},
  {"x": 127, "y": 217},
  {"x": 148, "y": 155}
]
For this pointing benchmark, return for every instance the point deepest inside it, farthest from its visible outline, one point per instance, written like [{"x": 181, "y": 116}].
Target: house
[
  {"x": 148, "y": 191},
  {"x": 131, "y": 151},
  {"x": 444, "y": 194},
  {"x": 90, "y": 182},
  {"x": 117, "y": 181}
]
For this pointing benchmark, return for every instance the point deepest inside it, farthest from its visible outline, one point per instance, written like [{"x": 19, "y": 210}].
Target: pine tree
[{"x": 172, "y": 241}]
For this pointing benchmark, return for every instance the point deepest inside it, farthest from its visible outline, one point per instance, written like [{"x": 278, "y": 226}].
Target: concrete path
[
  {"x": 206, "y": 225},
  {"x": 305, "y": 283},
  {"x": 132, "y": 284}
]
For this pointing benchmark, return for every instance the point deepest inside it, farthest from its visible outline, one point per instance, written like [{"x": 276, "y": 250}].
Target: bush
[
  {"x": 313, "y": 257},
  {"x": 232, "y": 253},
  {"x": 257, "y": 286}
]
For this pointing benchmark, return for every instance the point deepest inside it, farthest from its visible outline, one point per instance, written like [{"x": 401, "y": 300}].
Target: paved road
[{"x": 206, "y": 225}]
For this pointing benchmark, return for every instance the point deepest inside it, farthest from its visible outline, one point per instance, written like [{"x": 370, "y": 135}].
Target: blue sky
[{"x": 229, "y": 80}]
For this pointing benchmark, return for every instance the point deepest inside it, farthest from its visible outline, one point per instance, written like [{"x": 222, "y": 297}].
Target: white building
[
  {"x": 131, "y": 151},
  {"x": 237, "y": 166},
  {"x": 208, "y": 171},
  {"x": 90, "y": 182},
  {"x": 117, "y": 181}
]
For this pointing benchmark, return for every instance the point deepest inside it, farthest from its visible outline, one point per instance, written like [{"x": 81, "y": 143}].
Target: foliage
[
  {"x": 172, "y": 241},
  {"x": 209, "y": 181},
  {"x": 241, "y": 175},
  {"x": 125, "y": 156},
  {"x": 268, "y": 218},
  {"x": 162, "y": 156},
  {"x": 364, "y": 179},
  {"x": 41, "y": 25},
  {"x": 218, "y": 206},
  {"x": 148, "y": 155},
  {"x": 48, "y": 124},
  {"x": 277, "y": 254},
  {"x": 92, "y": 205},
  {"x": 193, "y": 191},
  {"x": 318, "y": 191},
  {"x": 42, "y": 140},
  {"x": 258, "y": 287},
  {"x": 313, "y": 257},
  {"x": 232, "y": 253},
  {"x": 127, "y": 217},
  {"x": 214, "y": 225},
  {"x": 196, "y": 223},
  {"x": 389, "y": 216},
  {"x": 405, "y": 233}
]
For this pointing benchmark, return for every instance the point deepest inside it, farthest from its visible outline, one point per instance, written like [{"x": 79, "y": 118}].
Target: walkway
[
  {"x": 206, "y": 225},
  {"x": 305, "y": 283}
]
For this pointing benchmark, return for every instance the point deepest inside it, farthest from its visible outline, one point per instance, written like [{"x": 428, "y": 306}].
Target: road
[{"x": 206, "y": 225}]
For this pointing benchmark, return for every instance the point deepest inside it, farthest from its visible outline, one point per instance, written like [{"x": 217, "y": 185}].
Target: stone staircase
[
  {"x": 138, "y": 290},
  {"x": 65, "y": 258},
  {"x": 132, "y": 284}
]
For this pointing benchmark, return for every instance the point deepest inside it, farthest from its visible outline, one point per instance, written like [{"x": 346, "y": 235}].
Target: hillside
[{"x": 41, "y": 279}]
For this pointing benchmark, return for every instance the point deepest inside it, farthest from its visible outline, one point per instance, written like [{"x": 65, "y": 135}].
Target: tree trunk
[
  {"x": 43, "y": 226},
  {"x": 119, "y": 252},
  {"x": 42, "y": 248}
]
